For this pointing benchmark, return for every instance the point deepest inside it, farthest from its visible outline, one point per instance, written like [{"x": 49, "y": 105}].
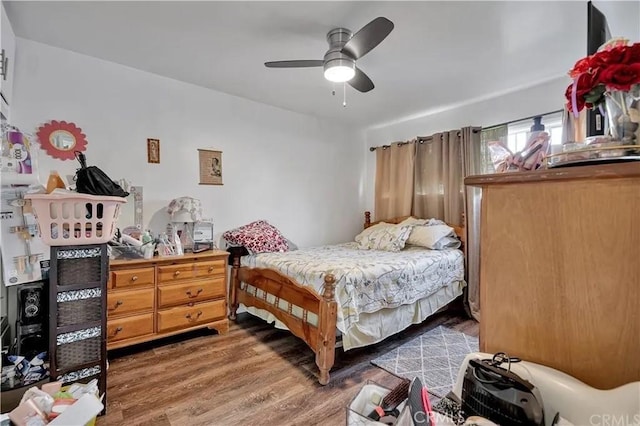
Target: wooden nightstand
[{"x": 152, "y": 298}]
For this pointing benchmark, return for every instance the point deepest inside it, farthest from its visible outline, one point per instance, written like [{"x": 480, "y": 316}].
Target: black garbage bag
[{"x": 92, "y": 180}]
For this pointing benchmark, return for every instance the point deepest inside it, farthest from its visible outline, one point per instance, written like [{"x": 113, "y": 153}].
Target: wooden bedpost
[
  {"x": 327, "y": 317},
  {"x": 235, "y": 283},
  {"x": 367, "y": 219}
]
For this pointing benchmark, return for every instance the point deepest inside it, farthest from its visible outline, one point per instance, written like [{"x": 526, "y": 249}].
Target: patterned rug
[{"x": 435, "y": 357}]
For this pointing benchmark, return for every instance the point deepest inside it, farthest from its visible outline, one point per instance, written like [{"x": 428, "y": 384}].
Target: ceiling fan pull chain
[
  {"x": 344, "y": 95},
  {"x": 333, "y": 90}
]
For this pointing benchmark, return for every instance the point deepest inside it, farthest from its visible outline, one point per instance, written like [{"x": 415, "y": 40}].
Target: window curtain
[
  {"x": 476, "y": 160},
  {"x": 394, "y": 180},
  {"x": 438, "y": 178}
]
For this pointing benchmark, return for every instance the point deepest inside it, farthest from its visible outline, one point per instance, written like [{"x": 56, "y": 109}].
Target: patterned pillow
[
  {"x": 258, "y": 237},
  {"x": 388, "y": 238},
  {"x": 371, "y": 229}
]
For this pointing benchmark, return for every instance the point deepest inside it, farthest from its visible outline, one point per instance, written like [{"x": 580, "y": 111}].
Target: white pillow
[
  {"x": 387, "y": 238},
  {"x": 371, "y": 229},
  {"x": 428, "y": 236},
  {"x": 412, "y": 221},
  {"x": 445, "y": 243}
]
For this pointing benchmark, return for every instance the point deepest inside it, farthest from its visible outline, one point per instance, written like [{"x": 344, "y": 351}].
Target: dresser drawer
[
  {"x": 128, "y": 327},
  {"x": 211, "y": 268},
  {"x": 192, "y": 291},
  {"x": 132, "y": 277},
  {"x": 171, "y": 273},
  {"x": 189, "y": 316},
  {"x": 125, "y": 302}
]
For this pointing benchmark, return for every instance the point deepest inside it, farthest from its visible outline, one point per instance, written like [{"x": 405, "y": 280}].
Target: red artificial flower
[
  {"x": 581, "y": 67},
  {"x": 615, "y": 67},
  {"x": 632, "y": 54},
  {"x": 586, "y": 83},
  {"x": 620, "y": 76},
  {"x": 612, "y": 56}
]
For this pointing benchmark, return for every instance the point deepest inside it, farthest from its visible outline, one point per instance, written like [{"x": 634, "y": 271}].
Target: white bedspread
[{"x": 367, "y": 281}]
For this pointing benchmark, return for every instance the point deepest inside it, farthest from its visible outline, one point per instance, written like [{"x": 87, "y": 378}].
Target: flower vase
[{"x": 623, "y": 114}]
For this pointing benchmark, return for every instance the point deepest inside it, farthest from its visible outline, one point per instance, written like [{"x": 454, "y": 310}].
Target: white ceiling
[{"x": 440, "y": 53}]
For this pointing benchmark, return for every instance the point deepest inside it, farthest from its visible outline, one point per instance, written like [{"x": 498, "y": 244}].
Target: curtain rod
[
  {"x": 419, "y": 139},
  {"x": 521, "y": 119}
]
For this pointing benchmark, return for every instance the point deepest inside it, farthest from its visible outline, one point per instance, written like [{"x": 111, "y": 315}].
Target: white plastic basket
[
  {"x": 362, "y": 404},
  {"x": 67, "y": 219}
]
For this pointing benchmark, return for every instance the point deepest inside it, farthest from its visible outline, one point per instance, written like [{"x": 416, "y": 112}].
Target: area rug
[{"x": 435, "y": 357}]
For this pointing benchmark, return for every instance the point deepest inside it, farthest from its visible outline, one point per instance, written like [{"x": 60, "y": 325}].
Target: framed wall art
[
  {"x": 210, "y": 167},
  {"x": 153, "y": 151}
]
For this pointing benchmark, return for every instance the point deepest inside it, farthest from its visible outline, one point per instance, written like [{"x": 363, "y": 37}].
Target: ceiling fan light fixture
[
  {"x": 339, "y": 73},
  {"x": 339, "y": 69}
]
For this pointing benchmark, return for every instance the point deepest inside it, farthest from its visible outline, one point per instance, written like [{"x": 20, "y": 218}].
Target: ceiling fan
[{"x": 345, "y": 48}]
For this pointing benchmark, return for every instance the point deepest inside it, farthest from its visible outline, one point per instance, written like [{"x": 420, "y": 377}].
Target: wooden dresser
[
  {"x": 560, "y": 269},
  {"x": 163, "y": 296}
]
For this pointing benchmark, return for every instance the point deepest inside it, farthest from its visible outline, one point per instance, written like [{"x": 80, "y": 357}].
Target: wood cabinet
[
  {"x": 149, "y": 299},
  {"x": 8, "y": 48},
  {"x": 560, "y": 269}
]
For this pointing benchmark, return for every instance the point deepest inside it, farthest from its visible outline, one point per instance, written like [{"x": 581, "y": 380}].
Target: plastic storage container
[
  {"x": 70, "y": 218},
  {"x": 362, "y": 405}
]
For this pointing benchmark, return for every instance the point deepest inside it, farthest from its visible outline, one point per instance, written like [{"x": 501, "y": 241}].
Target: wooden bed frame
[{"x": 321, "y": 338}]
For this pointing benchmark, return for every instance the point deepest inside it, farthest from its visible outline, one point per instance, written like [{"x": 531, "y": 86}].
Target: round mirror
[{"x": 61, "y": 139}]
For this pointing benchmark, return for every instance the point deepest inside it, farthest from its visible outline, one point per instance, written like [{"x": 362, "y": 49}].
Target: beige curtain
[
  {"x": 394, "y": 180},
  {"x": 475, "y": 161},
  {"x": 438, "y": 178}
]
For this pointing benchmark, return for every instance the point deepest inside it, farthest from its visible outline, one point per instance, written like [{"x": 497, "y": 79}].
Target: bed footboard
[{"x": 308, "y": 315}]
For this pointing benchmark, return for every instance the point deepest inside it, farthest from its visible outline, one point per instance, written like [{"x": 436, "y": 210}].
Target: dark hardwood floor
[{"x": 254, "y": 375}]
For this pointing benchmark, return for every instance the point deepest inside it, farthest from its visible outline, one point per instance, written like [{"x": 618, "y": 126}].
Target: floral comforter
[{"x": 367, "y": 280}]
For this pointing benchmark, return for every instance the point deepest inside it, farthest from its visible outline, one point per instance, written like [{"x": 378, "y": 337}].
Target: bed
[{"x": 364, "y": 295}]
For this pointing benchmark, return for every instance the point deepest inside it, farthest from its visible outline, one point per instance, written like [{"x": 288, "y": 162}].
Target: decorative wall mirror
[{"x": 61, "y": 139}]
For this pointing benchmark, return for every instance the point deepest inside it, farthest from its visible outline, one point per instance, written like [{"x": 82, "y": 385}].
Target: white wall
[
  {"x": 542, "y": 98},
  {"x": 301, "y": 174}
]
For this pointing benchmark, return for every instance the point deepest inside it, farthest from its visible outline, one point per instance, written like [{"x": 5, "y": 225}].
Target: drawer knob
[
  {"x": 210, "y": 269},
  {"x": 190, "y": 317},
  {"x": 134, "y": 278},
  {"x": 118, "y": 330},
  {"x": 191, "y": 295},
  {"x": 118, "y": 303},
  {"x": 176, "y": 273}
]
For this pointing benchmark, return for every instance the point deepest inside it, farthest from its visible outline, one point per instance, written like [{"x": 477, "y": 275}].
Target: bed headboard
[{"x": 458, "y": 229}]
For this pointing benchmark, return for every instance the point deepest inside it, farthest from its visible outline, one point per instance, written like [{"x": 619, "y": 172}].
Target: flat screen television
[{"x": 597, "y": 34}]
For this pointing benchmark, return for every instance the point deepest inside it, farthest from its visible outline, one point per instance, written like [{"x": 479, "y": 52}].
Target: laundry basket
[{"x": 71, "y": 218}]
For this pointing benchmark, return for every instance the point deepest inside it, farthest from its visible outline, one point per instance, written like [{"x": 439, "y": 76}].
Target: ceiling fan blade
[
  {"x": 368, "y": 37},
  {"x": 294, "y": 64},
  {"x": 361, "y": 82}
]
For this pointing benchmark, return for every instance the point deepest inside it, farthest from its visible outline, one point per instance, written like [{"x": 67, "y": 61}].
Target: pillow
[
  {"x": 429, "y": 236},
  {"x": 387, "y": 238},
  {"x": 447, "y": 243},
  {"x": 371, "y": 229},
  {"x": 412, "y": 221},
  {"x": 258, "y": 237}
]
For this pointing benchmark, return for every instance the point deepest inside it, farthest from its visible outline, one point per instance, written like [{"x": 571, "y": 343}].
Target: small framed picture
[
  {"x": 153, "y": 151},
  {"x": 210, "y": 167}
]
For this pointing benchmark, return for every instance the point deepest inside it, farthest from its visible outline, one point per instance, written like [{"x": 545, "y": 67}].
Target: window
[
  {"x": 515, "y": 135},
  {"x": 518, "y": 132}
]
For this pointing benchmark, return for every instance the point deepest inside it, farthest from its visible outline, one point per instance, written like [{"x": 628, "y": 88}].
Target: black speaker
[
  {"x": 32, "y": 340},
  {"x": 31, "y": 304},
  {"x": 31, "y": 324}
]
